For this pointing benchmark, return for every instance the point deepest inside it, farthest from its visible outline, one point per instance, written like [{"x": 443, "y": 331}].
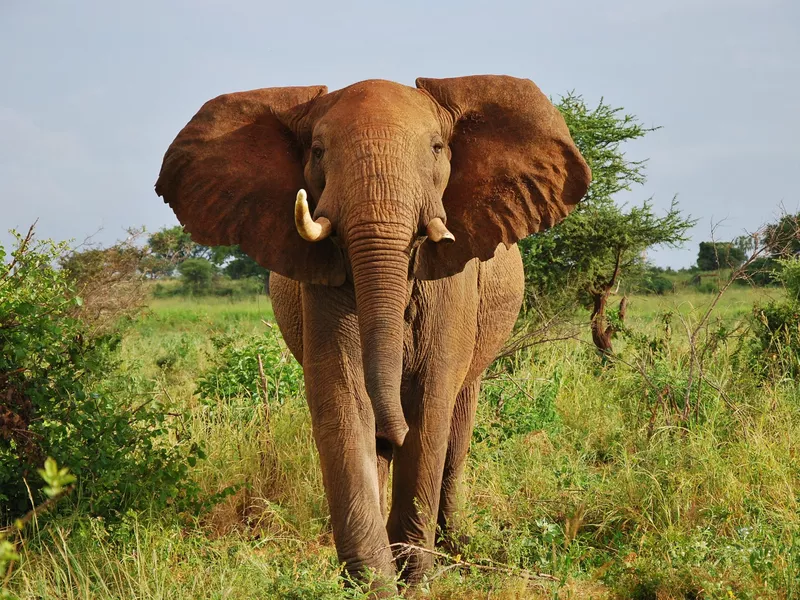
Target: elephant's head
[{"x": 400, "y": 182}]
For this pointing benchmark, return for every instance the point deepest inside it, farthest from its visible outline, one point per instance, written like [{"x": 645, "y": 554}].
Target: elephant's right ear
[{"x": 232, "y": 175}]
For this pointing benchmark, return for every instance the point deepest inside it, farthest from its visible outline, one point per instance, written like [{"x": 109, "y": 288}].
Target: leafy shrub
[
  {"x": 110, "y": 281},
  {"x": 55, "y": 400},
  {"x": 773, "y": 346},
  {"x": 715, "y": 255},
  {"x": 705, "y": 283},
  {"x": 790, "y": 277},
  {"x": 236, "y": 373},
  {"x": 761, "y": 271},
  {"x": 220, "y": 286},
  {"x": 517, "y": 410},
  {"x": 196, "y": 274},
  {"x": 653, "y": 283}
]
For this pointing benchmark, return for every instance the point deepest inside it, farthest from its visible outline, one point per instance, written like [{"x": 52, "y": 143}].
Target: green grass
[{"x": 577, "y": 470}]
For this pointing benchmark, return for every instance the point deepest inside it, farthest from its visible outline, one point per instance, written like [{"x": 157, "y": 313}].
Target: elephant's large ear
[
  {"x": 232, "y": 176},
  {"x": 514, "y": 168}
]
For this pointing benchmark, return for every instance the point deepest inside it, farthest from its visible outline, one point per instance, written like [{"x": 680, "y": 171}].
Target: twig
[
  {"x": 460, "y": 562},
  {"x": 20, "y": 250},
  {"x": 20, "y": 523},
  {"x": 263, "y": 380}
]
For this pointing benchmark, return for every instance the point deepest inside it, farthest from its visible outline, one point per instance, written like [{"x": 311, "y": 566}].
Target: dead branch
[{"x": 457, "y": 561}]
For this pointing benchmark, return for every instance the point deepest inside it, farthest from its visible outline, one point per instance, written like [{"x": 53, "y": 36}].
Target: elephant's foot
[{"x": 412, "y": 563}]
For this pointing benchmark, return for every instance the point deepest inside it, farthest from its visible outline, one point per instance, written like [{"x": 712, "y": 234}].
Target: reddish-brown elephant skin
[{"x": 393, "y": 329}]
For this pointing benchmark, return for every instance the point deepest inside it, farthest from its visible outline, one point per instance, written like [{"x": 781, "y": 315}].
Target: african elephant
[{"x": 389, "y": 216}]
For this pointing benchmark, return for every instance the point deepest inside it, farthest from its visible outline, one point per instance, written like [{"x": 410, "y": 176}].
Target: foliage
[
  {"x": 196, "y": 274},
  {"x": 221, "y": 286},
  {"x": 715, "y": 255},
  {"x": 566, "y": 475},
  {"x": 57, "y": 479},
  {"x": 56, "y": 400},
  {"x": 582, "y": 259},
  {"x": 773, "y": 347},
  {"x": 762, "y": 271},
  {"x": 241, "y": 265},
  {"x": 58, "y": 483},
  {"x": 236, "y": 372},
  {"x": 171, "y": 246},
  {"x": 789, "y": 275},
  {"x": 783, "y": 237},
  {"x": 653, "y": 282},
  {"x": 519, "y": 408},
  {"x": 174, "y": 245}
]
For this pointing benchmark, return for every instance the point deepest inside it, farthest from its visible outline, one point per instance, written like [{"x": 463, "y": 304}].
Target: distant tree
[
  {"x": 716, "y": 255},
  {"x": 170, "y": 246},
  {"x": 174, "y": 245},
  {"x": 583, "y": 259},
  {"x": 242, "y": 265},
  {"x": 746, "y": 243},
  {"x": 783, "y": 237},
  {"x": 197, "y": 273}
]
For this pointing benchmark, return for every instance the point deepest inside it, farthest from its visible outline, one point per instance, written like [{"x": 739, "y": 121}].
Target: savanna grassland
[{"x": 670, "y": 472}]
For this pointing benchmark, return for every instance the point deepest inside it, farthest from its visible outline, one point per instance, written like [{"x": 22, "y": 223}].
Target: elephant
[{"x": 388, "y": 216}]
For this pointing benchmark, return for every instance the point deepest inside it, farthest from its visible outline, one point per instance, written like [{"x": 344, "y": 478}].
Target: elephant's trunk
[{"x": 380, "y": 276}]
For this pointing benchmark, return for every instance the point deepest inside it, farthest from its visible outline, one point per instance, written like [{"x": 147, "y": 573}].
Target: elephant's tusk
[
  {"x": 437, "y": 232},
  {"x": 308, "y": 228}
]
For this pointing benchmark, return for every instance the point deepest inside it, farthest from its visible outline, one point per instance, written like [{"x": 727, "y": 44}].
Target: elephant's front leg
[
  {"x": 344, "y": 430},
  {"x": 417, "y": 479},
  {"x": 461, "y": 426},
  {"x": 443, "y": 320}
]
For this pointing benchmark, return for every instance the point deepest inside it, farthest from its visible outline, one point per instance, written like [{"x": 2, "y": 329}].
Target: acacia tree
[{"x": 583, "y": 259}]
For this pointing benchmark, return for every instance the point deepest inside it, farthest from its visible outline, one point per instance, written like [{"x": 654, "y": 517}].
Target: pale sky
[{"x": 93, "y": 91}]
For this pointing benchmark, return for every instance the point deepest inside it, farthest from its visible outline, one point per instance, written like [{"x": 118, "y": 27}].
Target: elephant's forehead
[{"x": 384, "y": 100}]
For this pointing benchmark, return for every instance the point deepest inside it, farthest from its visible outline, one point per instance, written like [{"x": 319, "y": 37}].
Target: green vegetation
[
  {"x": 61, "y": 381},
  {"x": 583, "y": 259},
  {"x": 178, "y": 445},
  {"x": 204, "y": 270},
  {"x": 773, "y": 349},
  {"x": 594, "y": 475},
  {"x": 718, "y": 255}
]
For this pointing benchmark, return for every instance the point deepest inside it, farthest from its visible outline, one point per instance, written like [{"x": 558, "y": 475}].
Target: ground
[{"x": 581, "y": 471}]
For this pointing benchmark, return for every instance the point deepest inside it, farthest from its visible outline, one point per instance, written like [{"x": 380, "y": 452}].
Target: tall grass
[{"x": 576, "y": 470}]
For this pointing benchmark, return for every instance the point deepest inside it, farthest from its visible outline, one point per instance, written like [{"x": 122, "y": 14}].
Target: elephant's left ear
[{"x": 514, "y": 169}]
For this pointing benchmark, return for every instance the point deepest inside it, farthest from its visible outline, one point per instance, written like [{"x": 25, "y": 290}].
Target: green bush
[
  {"x": 221, "y": 286},
  {"x": 761, "y": 272},
  {"x": 518, "y": 409},
  {"x": 773, "y": 347},
  {"x": 705, "y": 283},
  {"x": 56, "y": 400},
  {"x": 654, "y": 283},
  {"x": 196, "y": 274},
  {"x": 236, "y": 373},
  {"x": 790, "y": 277}
]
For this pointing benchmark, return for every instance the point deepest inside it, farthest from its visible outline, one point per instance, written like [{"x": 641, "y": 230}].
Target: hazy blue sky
[{"x": 92, "y": 93}]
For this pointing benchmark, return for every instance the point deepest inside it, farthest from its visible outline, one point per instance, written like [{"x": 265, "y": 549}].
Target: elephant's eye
[
  {"x": 317, "y": 151},
  {"x": 438, "y": 147}
]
